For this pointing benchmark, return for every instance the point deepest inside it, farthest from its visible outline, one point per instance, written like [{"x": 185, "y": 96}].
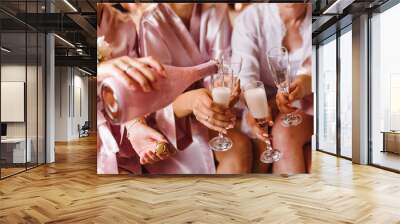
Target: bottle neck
[{"x": 206, "y": 69}]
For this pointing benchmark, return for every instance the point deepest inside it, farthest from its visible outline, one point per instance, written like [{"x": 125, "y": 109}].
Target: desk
[{"x": 13, "y": 150}]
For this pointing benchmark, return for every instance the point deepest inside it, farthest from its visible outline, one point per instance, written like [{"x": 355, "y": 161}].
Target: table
[
  {"x": 391, "y": 141},
  {"x": 13, "y": 150}
]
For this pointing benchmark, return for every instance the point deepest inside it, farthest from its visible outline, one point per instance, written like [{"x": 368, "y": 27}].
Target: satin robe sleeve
[
  {"x": 245, "y": 44},
  {"x": 176, "y": 130},
  {"x": 114, "y": 149},
  {"x": 224, "y": 33},
  {"x": 106, "y": 145},
  {"x": 218, "y": 31},
  {"x": 119, "y": 31},
  {"x": 216, "y": 34},
  {"x": 246, "y": 39}
]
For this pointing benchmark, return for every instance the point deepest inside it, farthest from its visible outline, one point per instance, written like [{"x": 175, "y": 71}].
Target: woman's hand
[
  {"x": 136, "y": 72},
  {"x": 299, "y": 88},
  {"x": 144, "y": 140},
  {"x": 210, "y": 114},
  {"x": 260, "y": 131}
]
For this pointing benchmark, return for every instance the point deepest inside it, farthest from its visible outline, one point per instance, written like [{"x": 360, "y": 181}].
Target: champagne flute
[
  {"x": 217, "y": 55},
  {"x": 232, "y": 61},
  {"x": 278, "y": 61},
  {"x": 221, "y": 90},
  {"x": 256, "y": 100}
]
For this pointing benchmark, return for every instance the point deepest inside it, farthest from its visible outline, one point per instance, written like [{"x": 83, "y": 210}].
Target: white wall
[
  {"x": 70, "y": 83},
  {"x": 16, "y": 73},
  {"x": 61, "y": 103},
  {"x": 79, "y": 118},
  {"x": 33, "y": 127}
]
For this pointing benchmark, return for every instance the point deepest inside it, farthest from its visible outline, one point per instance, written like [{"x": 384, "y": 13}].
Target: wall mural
[{"x": 208, "y": 88}]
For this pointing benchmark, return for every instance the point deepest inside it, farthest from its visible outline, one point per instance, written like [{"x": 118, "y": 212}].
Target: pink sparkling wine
[{"x": 123, "y": 103}]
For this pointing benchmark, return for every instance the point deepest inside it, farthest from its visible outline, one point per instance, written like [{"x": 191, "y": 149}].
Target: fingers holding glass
[
  {"x": 221, "y": 92},
  {"x": 279, "y": 65},
  {"x": 256, "y": 100}
]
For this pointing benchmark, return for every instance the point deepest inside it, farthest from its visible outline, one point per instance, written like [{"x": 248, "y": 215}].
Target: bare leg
[
  {"x": 238, "y": 159},
  {"x": 290, "y": 141},
  {"x": 307, "y": 157}
]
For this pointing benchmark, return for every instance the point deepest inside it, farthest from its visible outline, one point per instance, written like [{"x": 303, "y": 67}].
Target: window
[
  {"x": 346, "y": 93},
  {"x": 385, "y": 89},
  {"x": 327, "y": 96}
]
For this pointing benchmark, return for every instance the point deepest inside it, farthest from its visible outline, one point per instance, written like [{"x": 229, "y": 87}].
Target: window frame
[
  {"x": 334, "y": 37},
  {"x": 379, "y": 10}
]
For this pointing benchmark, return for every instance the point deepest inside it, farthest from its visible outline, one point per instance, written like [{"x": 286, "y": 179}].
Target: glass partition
[
  {"x": 22, "y": 89},
  {"x": 15, "y": 149}
]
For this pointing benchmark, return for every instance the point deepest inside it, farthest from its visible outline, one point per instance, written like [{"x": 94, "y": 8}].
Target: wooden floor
[
  {"x": 69, "y": 191},
  {"x": 387, "y": 159},
  {"x": 10, "y": 171}
]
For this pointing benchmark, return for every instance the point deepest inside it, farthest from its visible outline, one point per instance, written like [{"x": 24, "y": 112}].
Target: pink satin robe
[
  {"x": 164, "y": 36},
  {"x": 120, "y": 32}
]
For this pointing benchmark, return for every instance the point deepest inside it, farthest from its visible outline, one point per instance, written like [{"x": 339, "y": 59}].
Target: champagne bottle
[{"x": 123, "y": 103}]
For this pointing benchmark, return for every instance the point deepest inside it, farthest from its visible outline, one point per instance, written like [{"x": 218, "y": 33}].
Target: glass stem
[
  {"x": 267, "y": 141},
  {"x": 289, "y": 115}
]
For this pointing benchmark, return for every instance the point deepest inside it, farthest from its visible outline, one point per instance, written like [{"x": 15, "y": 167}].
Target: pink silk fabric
[
  {"x": 106, "y": 158},
  {"x": 120, "y": 32},
  {"x": 164, "y": 36}
]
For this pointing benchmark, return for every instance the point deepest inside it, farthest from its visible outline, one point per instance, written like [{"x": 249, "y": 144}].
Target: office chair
[{"x": 84, "y": 130}]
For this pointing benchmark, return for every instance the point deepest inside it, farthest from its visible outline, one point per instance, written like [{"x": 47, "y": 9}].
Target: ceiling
[
  {"x": 332, "y": 15},
  {"x": 75, "y": 22},
  {"x": 72, "y": 20}
]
